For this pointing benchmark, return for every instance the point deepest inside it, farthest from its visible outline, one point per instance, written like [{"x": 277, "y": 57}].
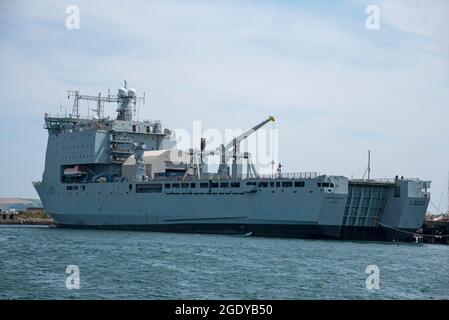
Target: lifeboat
[{"x": 75, "y": 171}]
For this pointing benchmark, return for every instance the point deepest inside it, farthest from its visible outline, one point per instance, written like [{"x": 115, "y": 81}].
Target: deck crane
[{"x": 232, "y": 149}]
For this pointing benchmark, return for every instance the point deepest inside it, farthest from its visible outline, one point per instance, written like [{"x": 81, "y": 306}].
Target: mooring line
[{"x": 414, "y": 233}]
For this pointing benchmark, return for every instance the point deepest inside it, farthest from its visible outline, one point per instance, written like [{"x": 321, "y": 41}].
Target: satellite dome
[
  {"x": 122, "y": 92},
  {"x": 131, "y": 93}
]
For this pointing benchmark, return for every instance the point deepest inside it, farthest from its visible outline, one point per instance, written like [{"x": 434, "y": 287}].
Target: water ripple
[{"x": 144, "y": 265}]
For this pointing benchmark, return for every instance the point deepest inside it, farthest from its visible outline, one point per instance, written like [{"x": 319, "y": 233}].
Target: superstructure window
[
  {"x": 278, "y": 184},
  {"x": 149, "y": 188},
  {"x": 175, "y": 185},
  {"x": 263, "y": 184},
  {"x": 235, "y": 184},
  {"x": 224, "y": 185},
  {"x": 167, "y": 186},
  {"x": 204, "y": 185},
  {"x": 287, "y": 184},
  {"x": 272, "y": 184},
  {"x": 325, "y": 184},
  {"x": 214, "y": 184},
  {"x": 184, "y": 185},
  {"x": 299, "y": 184},
  {"x": 193, "y": 185}
]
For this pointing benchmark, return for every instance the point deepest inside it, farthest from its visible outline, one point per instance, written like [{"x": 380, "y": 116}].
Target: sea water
[{"x": 53, "y": 263}]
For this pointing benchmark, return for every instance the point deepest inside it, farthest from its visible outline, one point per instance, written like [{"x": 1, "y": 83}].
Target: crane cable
[
  {"x": 443, "y": 191},
  {"x": 439, "y": 210},
  {"x": 273, "y": 146}
]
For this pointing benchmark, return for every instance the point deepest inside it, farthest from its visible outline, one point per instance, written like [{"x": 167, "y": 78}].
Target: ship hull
[
  {"x": 266, "y": 230},
  {"x": 304, "y": 212}
]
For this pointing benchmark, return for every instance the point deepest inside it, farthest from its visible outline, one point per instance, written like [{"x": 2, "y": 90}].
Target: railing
[
  {"x": 71, "y": 117},
  {"x": 291, "y": 175},
  {"x": 386, "y": 180},
  {"x": 121, "y": 140},
  {"x": 216, "y": 177},
  {"x": 118, "y": 150},
  {"x": 381, "y": 180}
]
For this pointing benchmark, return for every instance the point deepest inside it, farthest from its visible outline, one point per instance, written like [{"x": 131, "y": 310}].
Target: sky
[{"x": 336, "y": 88}]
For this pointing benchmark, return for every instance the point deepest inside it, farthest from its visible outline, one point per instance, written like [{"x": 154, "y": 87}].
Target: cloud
[
  {"x": 336, "y": 88},
  {"x": 419, "y": 17}
]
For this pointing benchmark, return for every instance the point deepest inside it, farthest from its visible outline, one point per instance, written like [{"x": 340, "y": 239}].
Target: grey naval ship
[{"x": 125, "y": 174}]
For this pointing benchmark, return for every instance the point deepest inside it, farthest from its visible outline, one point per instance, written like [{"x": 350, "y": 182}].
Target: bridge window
[
  {"x": 235, "y": 184},
  {"x": 184, "y": 185},
  {"x": 224, "y": 185},
  {"x": 175, "y": 185},
  {"x": 263, "y": 184},
  {"x": 278, "y": 184},
  {"x": 167, "y": 186},
  {"x": 204, "y": 185},
  {"x": 214, "y": 184},
  {"x": 325, "y": 184},
  {"x": 193, "y": 185},
  {"x": 299, "y": 184},
  {"x": 287, "y": 184}
]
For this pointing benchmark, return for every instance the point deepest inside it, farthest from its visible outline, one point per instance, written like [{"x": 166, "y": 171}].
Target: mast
[
  {"x": 368, "y": 169},
  {"x": 126, "y": 99},
  {"x": 369, "y": 163}
]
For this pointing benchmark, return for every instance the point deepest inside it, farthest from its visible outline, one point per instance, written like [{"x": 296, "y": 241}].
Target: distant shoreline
[
  {"x": 31, "y": 216},
  {"x": 27, "y": 225},
  {"x": 49, "y": 222}
]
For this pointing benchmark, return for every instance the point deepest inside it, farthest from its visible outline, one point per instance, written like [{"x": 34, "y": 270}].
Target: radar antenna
[{"x": 126, "y": 99}]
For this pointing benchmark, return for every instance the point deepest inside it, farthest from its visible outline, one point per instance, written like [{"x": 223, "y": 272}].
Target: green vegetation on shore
[{"x": 41, "y": 214}]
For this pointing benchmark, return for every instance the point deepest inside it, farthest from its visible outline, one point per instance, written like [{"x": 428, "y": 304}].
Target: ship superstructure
[{"x": 124, "y": 174}]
